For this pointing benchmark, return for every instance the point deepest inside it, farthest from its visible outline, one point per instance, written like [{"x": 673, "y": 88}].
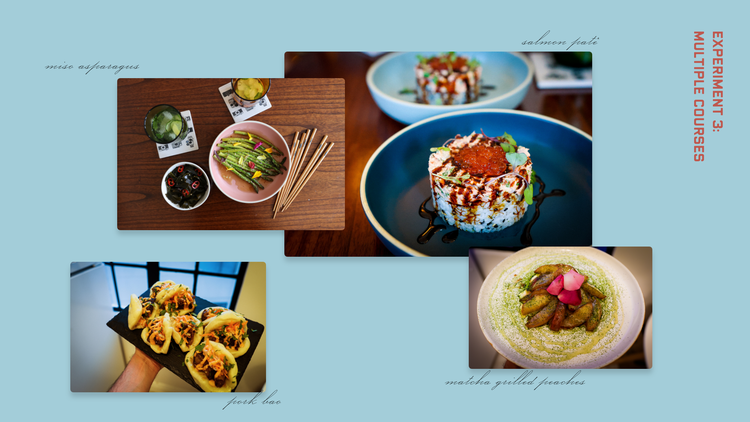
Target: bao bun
[
  {"x": 167, "y": 330},
  {"x": 202, "y": 380},
  {"x": 223, "y": 320},
  {"x": 136, "y": 320},
  {"x": 168, "y": 293},
  {"x": 218, "y": 310},
  {"x": 181, "y": 321}
]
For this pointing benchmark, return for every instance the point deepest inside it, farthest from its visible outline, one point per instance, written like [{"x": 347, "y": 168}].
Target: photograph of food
[
  {"x": 158, "y": 333},
  {"x": 448, "y": 79},
  {"x": 185, "y": 185},
  {"x": 212, "y": 367},
  {"x": 225, "y": 152},
  {"x": 187, "y": 331},
  {"x": 481, "y": 184},
  {"x": 454, "y": 150},
  {"x": 413, "y": 86},
  {"x": 230, "y": 330},
  {"x": 560, "y": 308},
  {"x": 141, "y": 310},
  {"x": 208, "y": 313},
  {"x": 175, "y": 299},
  {"x": 157, "y": 287},
  {"x": 167, "y": 338},
  {"x": 251, "y": 158}
]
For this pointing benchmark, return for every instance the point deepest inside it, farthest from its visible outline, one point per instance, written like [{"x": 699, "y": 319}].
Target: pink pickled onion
[
  {"x": 570, "y": 297},
  {"x": 556, "y": 286},
  {"x": 572, "y": 280}
]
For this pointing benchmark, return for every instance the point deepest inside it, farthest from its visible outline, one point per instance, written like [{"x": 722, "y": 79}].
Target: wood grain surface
[
  {"x": 368, "y": 128},
  {"x": 296, "y": 105}
]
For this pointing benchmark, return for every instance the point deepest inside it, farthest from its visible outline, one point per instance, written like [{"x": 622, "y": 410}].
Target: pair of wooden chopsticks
[{"x": 297, "y": 176}]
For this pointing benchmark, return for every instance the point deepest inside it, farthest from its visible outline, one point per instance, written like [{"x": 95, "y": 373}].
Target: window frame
[{"x": 152, "y": 276}]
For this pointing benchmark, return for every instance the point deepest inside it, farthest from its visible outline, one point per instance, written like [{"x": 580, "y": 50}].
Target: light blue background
[{"x": 352, "y": 339}]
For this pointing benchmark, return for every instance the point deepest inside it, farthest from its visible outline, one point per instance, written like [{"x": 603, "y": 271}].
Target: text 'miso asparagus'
[{"x": 250, "y": 158}]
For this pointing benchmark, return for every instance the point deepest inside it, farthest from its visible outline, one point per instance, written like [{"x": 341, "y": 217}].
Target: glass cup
[
  {"x": 164, "y": 124},
  {"x": 260, "y": 94}
]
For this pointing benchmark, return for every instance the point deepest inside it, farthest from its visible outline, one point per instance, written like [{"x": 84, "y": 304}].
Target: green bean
[
  {"x": 243, "y": 167},
  {"x": 267, "y": 143},
  {"x": 233, "y": 150},
  {"x": 251, "y": 151},
  {"x": 252, "y": 182},
  {"x": 258, "y": 163},
  {"x": 250, "y": 141},
  {"x": 239, "y": 132},
  {"x": 234, "y": 162}
]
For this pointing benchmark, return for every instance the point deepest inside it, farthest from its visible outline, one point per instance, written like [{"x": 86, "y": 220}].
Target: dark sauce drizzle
[
  {"x": 538, "y": 199},
  {"x": 431, "y": 227},
  {"x": 451, "y": 236},
  {"x": 486, "y": 88}
]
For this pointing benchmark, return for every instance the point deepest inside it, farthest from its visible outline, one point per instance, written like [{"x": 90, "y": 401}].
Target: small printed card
[
  {"x": 180, "y": 146},
  {"x": 550, "y": 74},
  {"x": 241, "y": 113}
]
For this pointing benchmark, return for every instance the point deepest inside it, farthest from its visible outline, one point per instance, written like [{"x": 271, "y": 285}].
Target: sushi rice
[{"x": 480, "y": 204}]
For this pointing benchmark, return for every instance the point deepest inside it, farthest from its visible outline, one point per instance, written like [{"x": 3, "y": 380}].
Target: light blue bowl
[
  {"x": 395, "y": 182},
  {"x": 509, "y": 73}
]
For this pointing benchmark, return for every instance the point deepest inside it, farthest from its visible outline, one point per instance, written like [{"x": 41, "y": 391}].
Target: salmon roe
[
  {"x": 482, "y": 160},
  {"x": 437, "y": 63}
]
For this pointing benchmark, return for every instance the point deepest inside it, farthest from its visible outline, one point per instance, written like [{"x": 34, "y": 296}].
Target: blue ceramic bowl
[
  {"x": 395, "y": 183},
  {"x": 509, "y": 73}
]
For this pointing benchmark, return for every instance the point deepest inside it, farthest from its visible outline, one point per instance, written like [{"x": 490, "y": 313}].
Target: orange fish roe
[{"x": 482, "y": 160}]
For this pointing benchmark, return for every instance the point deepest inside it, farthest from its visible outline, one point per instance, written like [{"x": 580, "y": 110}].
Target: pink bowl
[{"x": 234, "y": 187}]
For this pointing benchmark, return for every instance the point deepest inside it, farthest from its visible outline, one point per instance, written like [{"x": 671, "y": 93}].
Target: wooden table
[
  {"x": 370, "y": 127},
  {"x": 296, "y": 105}
]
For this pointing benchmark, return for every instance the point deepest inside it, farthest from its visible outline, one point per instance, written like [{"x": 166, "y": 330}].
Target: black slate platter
[{"x": 174, "y": 358}]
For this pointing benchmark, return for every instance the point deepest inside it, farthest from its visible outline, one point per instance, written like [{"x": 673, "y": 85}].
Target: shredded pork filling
[
  {"x": 231, "y": 335},
  {"x": 212, "y": 367},
  {"x": 156, "y": 289},
  {"x": 209, "y": 314},
  {"x": 148, "y": 307},
  {"x": 156, "y": 332},
  {"x": 187, "y": 332},
  {"x": 182, "y": 300}
]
